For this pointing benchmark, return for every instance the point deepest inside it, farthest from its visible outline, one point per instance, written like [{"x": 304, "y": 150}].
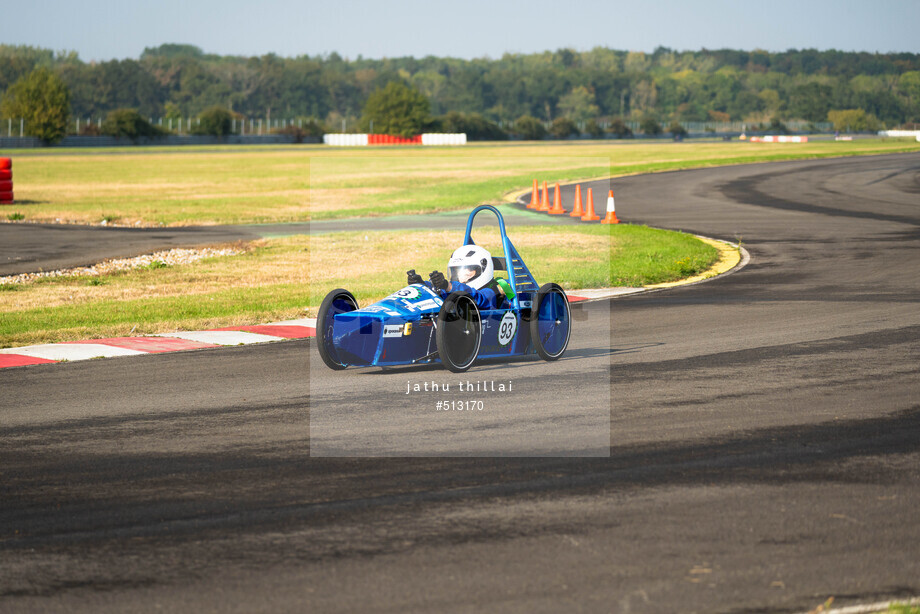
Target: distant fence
[
  {"x": 15, "y": 127},
  {"x": 704, "y": 127},
  {"x": 251, "y": 131},
  {"x": 792, "y": 126},
  {"x": 169, "y": 140}
]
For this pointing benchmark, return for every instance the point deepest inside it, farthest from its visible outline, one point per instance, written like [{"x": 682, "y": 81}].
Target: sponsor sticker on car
[
  {"x": 431, "y": 303},
  {"x": 393, "y": 330}
]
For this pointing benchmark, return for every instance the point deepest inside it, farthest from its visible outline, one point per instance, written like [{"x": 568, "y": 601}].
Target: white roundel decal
[
  {"x": 407, "y": 292},
  {"x": 507, "y": 328}
]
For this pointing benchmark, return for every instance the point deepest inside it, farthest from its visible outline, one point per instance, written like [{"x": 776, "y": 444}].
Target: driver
[{"x": 471, "y": 271}]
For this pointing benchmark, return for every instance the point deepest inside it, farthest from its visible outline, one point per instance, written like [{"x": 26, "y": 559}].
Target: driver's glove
[
  {"x": 437, "y": 280},
  {"x": 414, "y": 278}
]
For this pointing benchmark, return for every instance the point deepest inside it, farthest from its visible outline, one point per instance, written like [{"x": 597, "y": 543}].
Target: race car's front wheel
[
  {"x": 550, "y": 322},
  {"x": 459, "y": 332},
  {"x": 337, "y": 301}
]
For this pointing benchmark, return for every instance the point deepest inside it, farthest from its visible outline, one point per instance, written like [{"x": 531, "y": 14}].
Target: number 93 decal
[{"x": 507, "y": 328}]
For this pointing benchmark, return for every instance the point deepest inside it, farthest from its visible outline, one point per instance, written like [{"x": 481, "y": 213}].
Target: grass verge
[{"x": 287, "y": 278}]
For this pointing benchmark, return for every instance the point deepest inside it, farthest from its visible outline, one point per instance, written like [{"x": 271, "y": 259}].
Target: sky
[{"x": 118, "y": 29}]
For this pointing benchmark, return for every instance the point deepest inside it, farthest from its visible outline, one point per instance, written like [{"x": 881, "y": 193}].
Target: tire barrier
[
  {"x": 362, "y": 140},
  {"x": 6, "y": 181}
]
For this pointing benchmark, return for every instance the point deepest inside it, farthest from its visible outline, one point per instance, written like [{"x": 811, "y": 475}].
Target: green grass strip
[{"x": 574, "y": 257}]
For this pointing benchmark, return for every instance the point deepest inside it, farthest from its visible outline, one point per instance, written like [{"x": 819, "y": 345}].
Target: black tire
[
  {"x": 459, "y": 332},
  {"x": 550, "y": 322},
  {"x": 337, "y": 301}
]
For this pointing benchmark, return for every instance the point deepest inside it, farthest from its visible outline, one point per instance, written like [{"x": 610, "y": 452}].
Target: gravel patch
[{"x": 171, "y": 257}]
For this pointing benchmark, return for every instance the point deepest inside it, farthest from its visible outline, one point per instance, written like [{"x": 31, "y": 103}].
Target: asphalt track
[{"x": 764, "y": 445}]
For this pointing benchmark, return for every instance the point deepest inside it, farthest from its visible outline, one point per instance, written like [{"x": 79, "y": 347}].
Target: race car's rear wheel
[
  {"x": 337, "y": 301},
  {"x": 459, "y": 332},
  {"x": 550, "y": 322}
]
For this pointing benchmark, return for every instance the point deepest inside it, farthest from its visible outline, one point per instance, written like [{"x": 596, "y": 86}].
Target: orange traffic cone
[
  {"x": 589, "y": 215},
  {"x": 611, "y": 211},
  {"x": 557, "y": 202},
  {"x": 577, "y": 211},
  {"x": 544, "y": 202},
  {"x": 534, "y": 196}
]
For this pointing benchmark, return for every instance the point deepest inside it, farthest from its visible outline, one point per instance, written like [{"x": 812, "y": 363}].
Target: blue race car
[{"x": 415, "y": 325}]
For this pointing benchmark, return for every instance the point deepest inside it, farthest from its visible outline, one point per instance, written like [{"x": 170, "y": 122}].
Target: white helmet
[{"x": 471, "y": 265}]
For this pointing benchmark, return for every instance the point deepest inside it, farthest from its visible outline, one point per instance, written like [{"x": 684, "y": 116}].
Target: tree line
[{"x": 577, "y": 90}]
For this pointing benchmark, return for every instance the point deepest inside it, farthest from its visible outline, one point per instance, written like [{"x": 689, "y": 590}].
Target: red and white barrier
[
  {"x": 388, "y": 139},
  {"x": 360, "y": 140},
  {"x": 779, "y": 139},
  {"x": 900, "y": 133},
  {"x": 444, "y": 139},
  {"x": 345, "y": 140}
]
